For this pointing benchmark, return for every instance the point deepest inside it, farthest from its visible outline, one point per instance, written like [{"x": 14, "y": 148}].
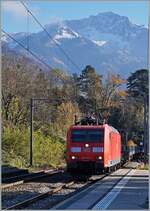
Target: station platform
[
  {"x": 132, "y": 164},
  {"x": 113, "y": 192},
  {"x": 134, "y": 195}
]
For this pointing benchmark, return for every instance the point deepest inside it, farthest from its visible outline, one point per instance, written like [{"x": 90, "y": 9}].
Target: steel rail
[
  {"x": 34, "y": 199},
  {"x": 38, "y": 197},
  {"x": 46, "y": 173},
  {"x": 92, "y": 181},
  {"x": 18, "y": 177}
]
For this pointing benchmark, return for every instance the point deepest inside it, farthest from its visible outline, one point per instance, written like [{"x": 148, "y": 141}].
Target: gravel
[
  {"x": 50, "y": 201},
  {"x": 16, "y": 194}
]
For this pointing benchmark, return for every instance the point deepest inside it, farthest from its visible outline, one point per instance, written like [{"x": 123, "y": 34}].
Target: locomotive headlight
[
  {"x": 100, "y": 157},
  {"x": 86, "y": 145},
  {"x": 73, "y": 157}
]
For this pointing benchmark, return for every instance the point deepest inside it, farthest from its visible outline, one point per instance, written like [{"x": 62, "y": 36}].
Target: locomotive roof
[
  {"x": 95, "y": 126},
  {"x": 114, "y": 130}
]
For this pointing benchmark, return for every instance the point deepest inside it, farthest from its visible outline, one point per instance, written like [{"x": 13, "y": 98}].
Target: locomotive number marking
[{"x": 86, "y": 150}]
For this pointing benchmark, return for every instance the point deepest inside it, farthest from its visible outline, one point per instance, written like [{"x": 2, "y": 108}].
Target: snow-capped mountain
[{"x": 106, "y": 41}]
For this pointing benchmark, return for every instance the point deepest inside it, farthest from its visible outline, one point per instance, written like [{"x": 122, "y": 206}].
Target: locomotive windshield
[{"x": 92, "y": 135}]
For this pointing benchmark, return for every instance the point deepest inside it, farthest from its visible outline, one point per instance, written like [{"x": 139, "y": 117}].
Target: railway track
[
  {"x": 54, "y": 195},
  {"x": 82, "y": 200},
  {"x": 31, "y": 188},
  {"x": 79, "y": 185},
  {"x": 28, "y": 177},
  {"x": 51, "y": 192},
  {"x": 39, "y": 197},
  {"x": 15, "y": 178}
]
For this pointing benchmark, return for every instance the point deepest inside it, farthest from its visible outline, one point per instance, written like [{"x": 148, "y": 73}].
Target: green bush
[
  {"x": 15, "y": 146},
  {"x": 47, "y": 150}
]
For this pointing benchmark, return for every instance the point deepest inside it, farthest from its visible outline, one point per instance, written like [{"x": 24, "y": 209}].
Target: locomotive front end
[{"x": 85, "y": 149}]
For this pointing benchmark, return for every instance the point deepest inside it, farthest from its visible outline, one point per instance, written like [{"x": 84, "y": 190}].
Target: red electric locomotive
[{"x": 93, "y": 147}]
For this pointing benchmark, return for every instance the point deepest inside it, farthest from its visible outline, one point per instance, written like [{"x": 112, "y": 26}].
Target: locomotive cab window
[{"x": 92, "y": 135}]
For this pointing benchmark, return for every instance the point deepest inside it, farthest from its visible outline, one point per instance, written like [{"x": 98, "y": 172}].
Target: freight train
[{"x": 93, "y": 148}]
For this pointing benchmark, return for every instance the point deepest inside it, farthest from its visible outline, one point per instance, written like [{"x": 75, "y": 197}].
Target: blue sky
[{"x": 14, "y": 16}]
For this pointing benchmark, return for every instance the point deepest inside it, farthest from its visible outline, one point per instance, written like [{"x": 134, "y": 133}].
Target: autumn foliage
[{"x": 78, "y": 94}]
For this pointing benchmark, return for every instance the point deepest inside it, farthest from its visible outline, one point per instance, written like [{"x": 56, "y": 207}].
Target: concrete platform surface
[
  {"x": 132, "y": 164},
  {"x": 134, "y": 194},
  {"x": 112, "y": 192}
]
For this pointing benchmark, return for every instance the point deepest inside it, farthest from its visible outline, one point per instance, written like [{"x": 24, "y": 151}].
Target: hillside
[{"x": 106, "y": 41}]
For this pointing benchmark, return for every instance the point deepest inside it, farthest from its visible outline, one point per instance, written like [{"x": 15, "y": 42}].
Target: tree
[
  {"x": 111, "y": 87},
  {"x": 40, "y": 85},
  {"x": 137, "y": 84},
  {"x": 16, "y": 86},
  {"x": 111, "y": 96},
  {"x": 90, "y": 86},
  {"x": 138, "y": 89},
  {"x": 65, "y": 117}
]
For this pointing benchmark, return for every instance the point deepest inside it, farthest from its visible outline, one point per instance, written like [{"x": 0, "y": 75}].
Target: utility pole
[
  {"x": 145, "y": 127},
  {"x": 46, "y": 100},
  {"x": 31, "y": 131},
  {"x": 126, "y": 142},
  {"x": 126, "y": 138}
]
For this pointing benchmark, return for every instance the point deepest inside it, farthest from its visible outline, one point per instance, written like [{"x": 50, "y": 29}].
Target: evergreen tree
[
  {"x": 138, "y": 84},
  {"x": 90, "y": 86},
  {"x": 138, "y": 89}
]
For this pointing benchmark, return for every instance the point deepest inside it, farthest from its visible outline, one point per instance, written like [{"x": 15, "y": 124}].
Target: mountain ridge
[{"x": 107, "y": 41}]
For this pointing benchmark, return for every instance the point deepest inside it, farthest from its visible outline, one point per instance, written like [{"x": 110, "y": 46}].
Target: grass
[{"x": 144, "y": 166}]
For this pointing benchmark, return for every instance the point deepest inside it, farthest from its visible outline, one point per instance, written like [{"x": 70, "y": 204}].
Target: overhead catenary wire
[
  {"x": 27, "y": 49},
  {"x": 49, "y": 35},
  {"x": 27, "y": 29}
]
